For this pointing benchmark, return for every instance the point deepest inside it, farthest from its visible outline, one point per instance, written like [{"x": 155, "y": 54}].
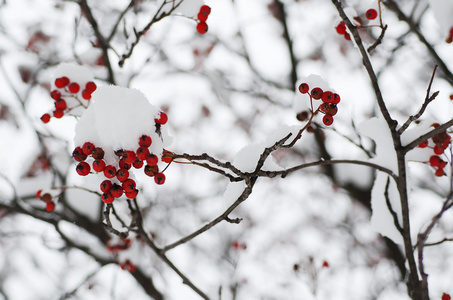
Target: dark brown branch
[
  {"x": 426, "y": 136},
  {"x": 389, "y": 206},
  {"x": 108, "y": 224},
  {"x": 428, "y": 99},
  {"x": 379, "y": 39}
]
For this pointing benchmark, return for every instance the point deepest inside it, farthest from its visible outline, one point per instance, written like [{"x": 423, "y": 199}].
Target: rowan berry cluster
[
  {"x": 438, "y": 144},
  {"x": 66, "y": 90},
  {"x": 118, "y": 180},
  {"x": 202, "y": 16},
  {"x": 120, "y": 245},
  {"x": 370, "y": 14},
  {"x": 48, "y": 199},
  {"x": 127, "y": 265},
  {"x": 328, "y": 106},
  {"x": 449, "y": 39}
]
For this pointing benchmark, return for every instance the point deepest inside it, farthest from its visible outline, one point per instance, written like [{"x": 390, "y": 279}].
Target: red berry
[
  {"x": 442, "y": 164},
  {"x": 325, "y": 264},
  {"x": 167, "y": 156},
  {"x": 86, "y": 95},
  {"x": 129, "y": 185},
  {"x": 106, "y": 185},
  {"x": 371, "y": 14},
  {"x": 137, "y": 163},
  {"x": 152, "y": 160},
  {"x": 327, "y": 97},
  {"x": 47, "y": 198},
  {"x": 50, "y": 206},
  {"x": 423, "y": 144},
  {"x": 142, "y": 153},
  {"x": 38, "y": 194},
  {"x": 347, "y": 36},
  {"x": 202, "y": 27},
  {"x": 109, "y": 171},
  {"x": 90, "y": 86},
  {"x": 55, "y": 94},
  {"x": 434, "y": 160},
  {"x": 324, "y": 107},
  {"x": 145, "y": 141},
  {"x": 438, "y": 150},
  {"x": 99, "y": 165},
  {"x": 302, "y": 116},
  {"x": 205, "y": 9},
  {"x": 159, "y": 178},
  {"x": 336, "y": 98},
  {"x": 78, "y": 154},
  {"x": 446, "y": 296},
  {"x": 61, "y": 82},
  {"x": 439, "y": 172},
  {"x": 163, "y": 118},
  {"x": 327, "y": 120},
  {"x": 151, "y": 170},
  {"x": 107, "y": 198},
  {"x": 341, "y": 28},
  {"x": 202, "y": 17},
  {"x": 123, "y": 165},
  {"x": 316, "y": 93},
  {"x": 116, "y": 190},
  {"x": 60, "y": 104},
  {"x": 83, "y": 168},
  {"x": 98, "y": 153},
  {"x": 303, "y": 88},
  {"x": 122, "y": 174},
  {"x": 58, "y": 113},
  {"x": 74, "y": 87},
  {"x": 87, "y": 148},
  {"x": 129, "y": 157},
  {"x": 45, "y": 118},
  {"x": 131, "y": 194},
  {"x": 333, "y": 109}
]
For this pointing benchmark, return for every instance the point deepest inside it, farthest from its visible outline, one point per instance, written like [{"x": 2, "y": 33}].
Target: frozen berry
[
  {"x": 446, "y": 296},
  {"x": 303, "y": 88},
  {"x": 438, "y": 150},
  {"x": 58, "y": 113},
  {"x": 145, "y": 141},
  {"x": 341, "y": 28},
  {"x": 46, "y": 198},
  {"x": 61, "y": 82},
  {"x": 107, "y": 198},
  {"x": 163, "y": 118},
  {"x": 98, "y": 153},
  {"x": 123, "y": 165},
  {"x": 87, "y": 148},
  {"x": 122, "y": 174},
  {"x": 327, "y": 120},
  {"x": 439, "y": 172},
  {"x": 45, "y": 118},
  {"x": 347, "y": 36},
  {"x": 109, "y": 171},
  {"x": 336, "y": 98},
  {"x": 90, "y": 86},
  {"x": 86, "y": 95},
  {"x": 83, "y": 168},
  {"x": 137, "y": 163},
  {"x": 106, "y": 185},
  {"x": 159, "y": 178},
  {"x": 129, "y": 185},
  {"x": 142, "y": 153},
  {"x": 151, "y": 170},
  {"x": 50, "y": 206},
  {"x": 78, "y": 154},
  {"x": 202, "y": 17},
  {"x": 316, "y": 93},
  {"x": 99, "y": 165},
  {"x": 202, "y": 27},
  {"x": 129, "y": 157},
  {"x": 116, "y": 190},
  {"x": 131, "y": 194},
  {"x": 152, "y": 160},
  {"x": 74, "y": 87},
  {"x": 55, "y": 94},
  {"x": 371, "y": 14},
  {"x": 60, "y": 104}
]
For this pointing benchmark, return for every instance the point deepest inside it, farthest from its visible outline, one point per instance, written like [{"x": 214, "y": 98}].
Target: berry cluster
[
  {"x": 64, "y": 90},
  {"x": 202, "y": 16},
  {"x": 127, "y": 265},
  {"x": 449, "y": 39},
  {"x": 328, "y": 106},
  {"x": 122, "y": 244},
  {"x": 370, "y": 14},
  {"x": 438, "y": 144},
  {"x": 118, "y": 180},
  {"x": 46, "y": 198}
]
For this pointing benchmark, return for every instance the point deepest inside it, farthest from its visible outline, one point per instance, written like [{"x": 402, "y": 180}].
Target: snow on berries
[
  {"x": 314, "y": 88},
  {"x": 120, "y": 133},
  {"x": 71, "y": 89}
]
